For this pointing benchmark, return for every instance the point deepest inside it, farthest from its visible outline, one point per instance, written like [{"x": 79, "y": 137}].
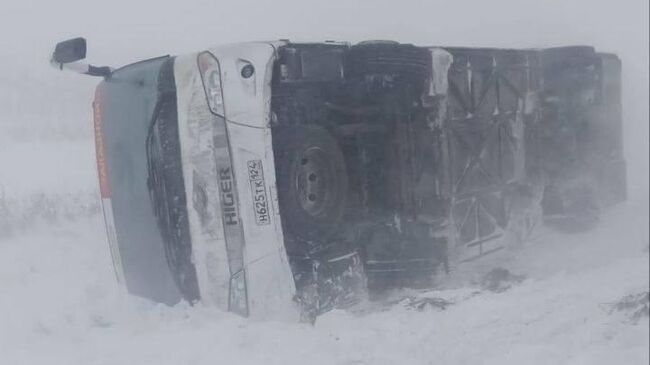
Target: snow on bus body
[{"x": 227, "y": 157}]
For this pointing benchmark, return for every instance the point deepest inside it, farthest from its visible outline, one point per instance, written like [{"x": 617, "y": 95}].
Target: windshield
[{"x": 128, "y": 101}]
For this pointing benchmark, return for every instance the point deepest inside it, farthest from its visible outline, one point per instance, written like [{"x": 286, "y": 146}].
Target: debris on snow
[
  {"x": 633, "y": 306},
  {"x": 499, "y": 280},
  {"x": 421, "y": 304}
]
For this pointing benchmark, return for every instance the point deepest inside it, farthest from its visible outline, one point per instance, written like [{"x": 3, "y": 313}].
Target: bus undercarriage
[{"x": 405, "y": 158}]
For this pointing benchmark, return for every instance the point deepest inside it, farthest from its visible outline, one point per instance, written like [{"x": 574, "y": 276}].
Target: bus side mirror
[{"x": 71, "y": 50}]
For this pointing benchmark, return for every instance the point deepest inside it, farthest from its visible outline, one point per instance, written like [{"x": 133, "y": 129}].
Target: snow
[
  {"x": 61, "y": 305},
  {"x": 69, "y": 167},
  {"x": 44, "y": 181}
]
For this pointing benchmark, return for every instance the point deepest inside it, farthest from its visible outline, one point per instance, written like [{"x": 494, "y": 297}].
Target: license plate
[{"x": 258, "y": 192}]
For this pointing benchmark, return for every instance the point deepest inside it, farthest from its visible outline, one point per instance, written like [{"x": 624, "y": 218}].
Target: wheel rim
[{"x": 314, "y": 181}]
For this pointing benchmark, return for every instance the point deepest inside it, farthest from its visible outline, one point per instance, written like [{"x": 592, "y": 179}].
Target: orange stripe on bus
[{"x": 102, "y": 170}]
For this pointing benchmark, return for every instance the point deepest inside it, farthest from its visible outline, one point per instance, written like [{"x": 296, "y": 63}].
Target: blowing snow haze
[
  {"x": 126, "y": 31},
  {"x": 560, "y": 298}
]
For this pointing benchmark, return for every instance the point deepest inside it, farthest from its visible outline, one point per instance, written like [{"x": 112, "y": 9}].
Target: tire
[
  {"x": 525, "y": 213},
  {"x": 579, "y": 208},
  {"x": 523, "y": 225},
  {"x": 312, "y": 182}
]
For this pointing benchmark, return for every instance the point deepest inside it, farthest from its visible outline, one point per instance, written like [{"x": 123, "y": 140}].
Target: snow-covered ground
[{"x": 60, "y": 303}]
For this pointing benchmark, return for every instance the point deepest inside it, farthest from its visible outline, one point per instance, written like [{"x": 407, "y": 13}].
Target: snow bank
[{"x": 60, "y": 305}]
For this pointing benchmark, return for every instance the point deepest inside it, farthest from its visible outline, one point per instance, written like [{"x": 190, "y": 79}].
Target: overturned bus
[{"x": 276, "y": 179}]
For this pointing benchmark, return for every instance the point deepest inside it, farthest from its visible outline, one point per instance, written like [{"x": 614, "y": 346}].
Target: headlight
[
  {"x": 211, "y": 77},
  {"x": 238, "y": 301}
]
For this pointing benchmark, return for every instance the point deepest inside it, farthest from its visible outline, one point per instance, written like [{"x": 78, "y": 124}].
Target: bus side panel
[{"x": 607, "y": 123}]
